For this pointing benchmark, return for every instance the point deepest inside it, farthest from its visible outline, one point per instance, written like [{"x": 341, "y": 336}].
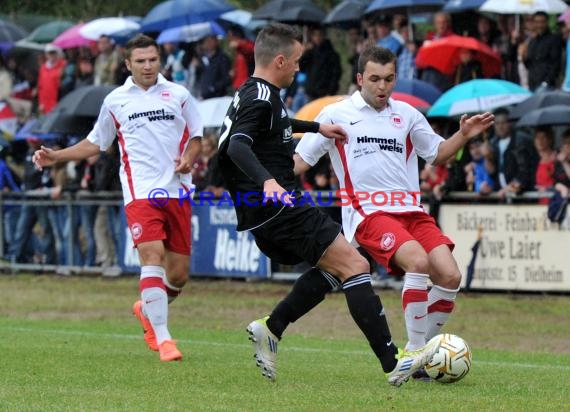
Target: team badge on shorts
[
  {"x": 388, "y": 240},
  {"x": 136, "y": 231},
  {"x": 396, "y": 121}
]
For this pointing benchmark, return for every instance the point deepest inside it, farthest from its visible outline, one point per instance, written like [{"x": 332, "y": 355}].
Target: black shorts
[{"x": 297, "y": 234}]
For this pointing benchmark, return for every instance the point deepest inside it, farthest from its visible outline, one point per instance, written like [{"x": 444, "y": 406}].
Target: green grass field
[{"x": 71, "y": 344}]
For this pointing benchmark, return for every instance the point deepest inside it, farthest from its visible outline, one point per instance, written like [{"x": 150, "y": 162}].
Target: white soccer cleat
[
  {"x": 265, "y": 345},
  {"x": 410, "y": 362}
]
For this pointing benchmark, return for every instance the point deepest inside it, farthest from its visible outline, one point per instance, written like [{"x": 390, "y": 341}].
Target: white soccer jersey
[
  {"x": 377, "y": 168},
  {"x": 153, "y": 128}
]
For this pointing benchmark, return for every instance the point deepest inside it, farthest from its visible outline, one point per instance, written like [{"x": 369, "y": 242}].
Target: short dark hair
[
  {"x": 140, "y": 41},
  {"x": 275, "y": 39},
  {"x": 541, "y": 14},
  {"x": 375, "y": 54}
]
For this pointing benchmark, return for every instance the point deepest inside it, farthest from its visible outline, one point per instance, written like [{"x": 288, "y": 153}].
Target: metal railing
[{"x": 70, "y": 200}]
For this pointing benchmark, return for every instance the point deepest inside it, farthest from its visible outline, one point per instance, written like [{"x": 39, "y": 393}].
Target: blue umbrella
[
  {"x": 190, "y": 33},
  {"x": 476, "y": 96},
  {"x": 418, "y": 88},
  {"x": 26, "y": 132},
  {"x": 456, "y": 6},
  {"x": 176, "y": 13},
  {"x": 405, "y": 6}
]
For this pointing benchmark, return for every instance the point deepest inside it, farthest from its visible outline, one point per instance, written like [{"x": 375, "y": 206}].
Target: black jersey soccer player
[{"x": 256, "y": 159}]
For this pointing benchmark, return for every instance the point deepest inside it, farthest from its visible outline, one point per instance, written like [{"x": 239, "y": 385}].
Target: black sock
[
  {"x": 367, "y": 311},
  {"x": 308, "y": 291}
]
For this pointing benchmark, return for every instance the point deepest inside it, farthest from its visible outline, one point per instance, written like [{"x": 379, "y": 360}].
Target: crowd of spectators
[{"x": 507, "y": 161}]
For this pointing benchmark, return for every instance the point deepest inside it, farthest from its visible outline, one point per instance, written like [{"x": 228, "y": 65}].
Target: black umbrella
[
  {"x": 58, "y": 122},
  {"x": 539, "y": 101},
  {"x": 10, "y": 33},
  {"x": 346, "y": 12},
  {"x": 291, "y": 11},
  {"x": 85, "y": 101},
  {"x": 548, "y": 116}
]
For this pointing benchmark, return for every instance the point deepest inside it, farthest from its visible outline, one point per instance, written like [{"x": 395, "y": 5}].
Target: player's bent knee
[{"x": 418, "y": 264}]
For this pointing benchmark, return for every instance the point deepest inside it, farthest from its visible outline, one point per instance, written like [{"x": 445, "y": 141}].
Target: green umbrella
[{"x": 47, "y": 32}]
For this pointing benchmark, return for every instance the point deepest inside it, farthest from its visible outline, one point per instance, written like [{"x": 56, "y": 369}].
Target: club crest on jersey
[
  {"x": 165, "y": 95},
  {"x": 397, "y": 121},
  {"x": 388, "y": 241},
  {"x": 136, "y": 231}
]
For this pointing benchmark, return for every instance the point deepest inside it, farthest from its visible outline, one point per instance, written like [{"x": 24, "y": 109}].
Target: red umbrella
[
  {"x": 411, "y": 100},
  {"x": 443, "y": 55}
]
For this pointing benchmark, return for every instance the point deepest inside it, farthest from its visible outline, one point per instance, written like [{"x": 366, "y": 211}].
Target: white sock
[
  {"x": 155, "y": 301},
  {"x": 415, "y": 305},
  {"x": 441, "y": 302}
]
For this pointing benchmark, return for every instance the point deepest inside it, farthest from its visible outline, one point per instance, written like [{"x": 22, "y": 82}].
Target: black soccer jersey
[{"x": 257, "y": 113}]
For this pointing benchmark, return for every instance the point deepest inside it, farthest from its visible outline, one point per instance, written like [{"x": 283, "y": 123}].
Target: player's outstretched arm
[
  {"x": 469, "y": 127},
  {"x": 333, "y": 131},
  {"x": 45, "y": 156}
]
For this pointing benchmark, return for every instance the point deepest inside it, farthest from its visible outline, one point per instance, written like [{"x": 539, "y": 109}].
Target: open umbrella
[
  {"x": 107, "y": 26},
  {"x": 25, "y": 132},
  {"x": 313, "y": 108},
  {"x": 419, "y": 88},
  {"x": 85, "y": 101},
  {"x": 476, "y": 96},
  {"x": 444, "y": 55},
  {"x": 411, "y": 100},
  {"x": 176, "y": 13},
  {"x": 346, "y": 12},
  {"x": 291, "y": 11},
  {"x": 405, "y": 6},
  {"x": 524, "y": 7},
  {"x": 241, "y": 18},
  {"x": 72, "y": 38},
  {"x": 213, "y": 111},
  {"x": 10, "y": 33},
  {"x": 47, "y": 32},
  {"x": 190, "y": 33},
  {"x": 57, "y": 123},
  {"x": 557, "y": 115},
  {"x": 539, "y": 101},
  {"x": 457, "y": 6}
]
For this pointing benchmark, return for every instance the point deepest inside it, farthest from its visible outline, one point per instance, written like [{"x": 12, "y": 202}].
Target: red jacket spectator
[
  {"x": 49, "y": 79},
  {"x": 243, "y": 61}
]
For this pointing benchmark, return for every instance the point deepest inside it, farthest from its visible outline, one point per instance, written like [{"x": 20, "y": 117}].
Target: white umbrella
[
  {"x": 107, "y": 26},
  {"x": 524, "y": 6},
  {"x": 213, "y": 111},
  {"x": 190, "y": 33}
]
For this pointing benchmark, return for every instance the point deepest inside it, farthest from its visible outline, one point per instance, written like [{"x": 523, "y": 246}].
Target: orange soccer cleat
[
  {"x": 168, "y": 351},
  {"x": 149, "y": 336}
]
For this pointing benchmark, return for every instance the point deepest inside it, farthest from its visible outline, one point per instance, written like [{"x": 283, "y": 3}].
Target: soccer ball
[{"x": 452, "y": 361}]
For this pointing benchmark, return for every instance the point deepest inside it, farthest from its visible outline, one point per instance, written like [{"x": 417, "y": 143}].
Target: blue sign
[{"x": 218, "y": 250}]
